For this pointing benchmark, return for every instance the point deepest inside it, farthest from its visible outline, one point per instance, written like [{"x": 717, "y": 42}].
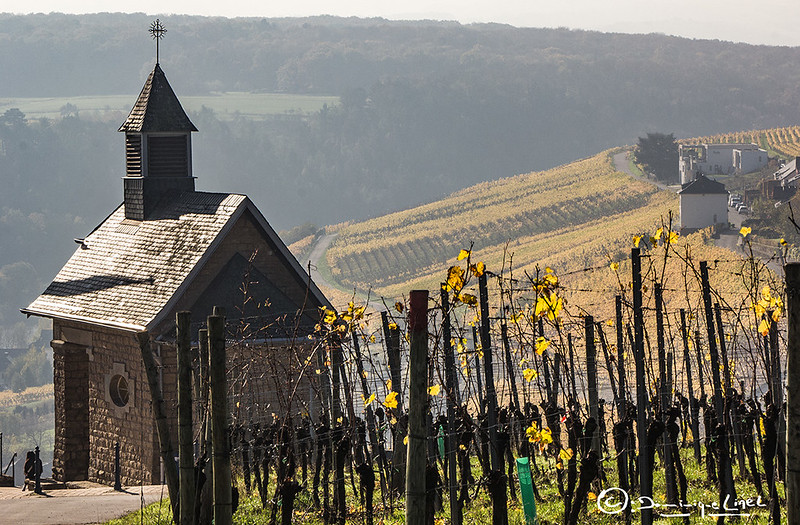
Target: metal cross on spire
[{"x": 158, "y": 31}]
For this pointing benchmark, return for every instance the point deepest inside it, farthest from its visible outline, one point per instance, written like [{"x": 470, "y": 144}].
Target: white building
[
  {"x": 789, "y": 173},
  {"x": 719, "y": 159},
  {"x": 703, "y": 203}
]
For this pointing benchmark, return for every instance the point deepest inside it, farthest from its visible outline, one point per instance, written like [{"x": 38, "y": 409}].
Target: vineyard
[
  {"x": 553, "y": 352},
  {"x": 578, "y": 211},
  {"x": 783, "y": 141},
  {"x": 544, "y": 393}
]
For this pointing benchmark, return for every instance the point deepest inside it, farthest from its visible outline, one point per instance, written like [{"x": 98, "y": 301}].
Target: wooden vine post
[
  {"x": 792, "y": 271},
  {"x": 497, "y": 480},
  {"x": 452, "y": 399},
  {"x": 645, "y": 473},
  {"x": 377, "y": 447},
  {"x": 693, "y": 405},
  {"x": 727, "y": 488},
  {"x": 185, "y": 435},
  {"x": 416, "y": 462},
  {"x": 491, "y": 393},
  {"x": 220, "y": 451},
  {"x": 591, "y": 373},
  {"x": 664, "y": 392}
]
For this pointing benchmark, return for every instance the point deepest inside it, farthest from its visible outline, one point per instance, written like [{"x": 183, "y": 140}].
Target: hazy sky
[{"x": 772, "y": 22}]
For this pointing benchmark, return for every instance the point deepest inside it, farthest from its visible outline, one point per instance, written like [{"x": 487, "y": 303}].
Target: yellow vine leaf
[
  {"x": 673, "y": 236},
  {"x": 550, "y": 306},
  {"x": 636, "y": 240},
  {"x": 468, "y": 299},
  {"x": 399, "y": 306},
  {"x": 455, "y": 278},
  {"x": 532, "y": 432},
  {"x": 405, "y": 440},
  {"x": 392, "y": 326},
  {"x": 541, "y": 345},
  {"x": 566, "y": 455},
  {"x": 614, "y": 266},
  {"x": 763, "y": 328},
  {"x": 529, "y": 374},
  {"x": 328, "y": 315},
  {"x": 545, "y": 436},
  {"x": 434, "y": 390},
  {"x": 391, "y": 400},
  {"x": 463, "y": 254},
  {"x": 745, "y": 231},
  {"x": 369, "y": 401},
  {"x": 659, "y": 231},
  {"x": 478, "y": 269}
]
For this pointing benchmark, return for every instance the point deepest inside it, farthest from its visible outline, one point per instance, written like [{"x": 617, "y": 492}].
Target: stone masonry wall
[
  {"x": 70, "y": 384},
  {"x": 114, "y": 353},
  {"x": 83, "y": 370}
]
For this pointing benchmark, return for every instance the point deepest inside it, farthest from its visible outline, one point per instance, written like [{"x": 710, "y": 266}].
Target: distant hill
[{"x": 425, "y": 109}]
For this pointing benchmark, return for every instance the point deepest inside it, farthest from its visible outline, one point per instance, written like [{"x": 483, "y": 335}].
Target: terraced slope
[
  {"x": 782, "y": 141},
  {"x": 569, "y": 217}
]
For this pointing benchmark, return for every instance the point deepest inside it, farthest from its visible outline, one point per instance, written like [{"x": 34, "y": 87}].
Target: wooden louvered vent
[
  {"x": 133, "y": 155},
  {"x": 167, "y": 156}
]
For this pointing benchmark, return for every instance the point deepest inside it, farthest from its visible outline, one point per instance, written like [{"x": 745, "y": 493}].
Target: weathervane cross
[{"x": 157, "y": 30}]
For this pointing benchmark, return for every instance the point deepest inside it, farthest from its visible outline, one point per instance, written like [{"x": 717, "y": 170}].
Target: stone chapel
[{"x": 166, "y": 248}]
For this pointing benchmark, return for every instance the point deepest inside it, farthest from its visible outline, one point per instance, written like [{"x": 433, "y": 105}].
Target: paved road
[
  {"x": 78, "y": 506},
  {"x": 621, "y": 164},
  {"x": 316, "y": 255}
]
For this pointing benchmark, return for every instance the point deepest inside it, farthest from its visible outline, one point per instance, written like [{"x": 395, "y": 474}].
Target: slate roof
[
  {"x": 703, "y": 185},
  {"x": 157, "y": 108},
  {"x": 129, "y": 272}
]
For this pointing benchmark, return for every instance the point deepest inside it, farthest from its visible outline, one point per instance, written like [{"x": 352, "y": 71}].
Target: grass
[
  {"x": 550, "y": 510},
  {"x": 226, "y": 105}
]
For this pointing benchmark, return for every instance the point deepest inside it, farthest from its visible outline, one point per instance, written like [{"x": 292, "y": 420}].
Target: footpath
[{"x": 80, "y": 504}]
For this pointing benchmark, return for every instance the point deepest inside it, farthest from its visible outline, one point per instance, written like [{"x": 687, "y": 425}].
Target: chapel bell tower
[{"x": 158, "y": 147}]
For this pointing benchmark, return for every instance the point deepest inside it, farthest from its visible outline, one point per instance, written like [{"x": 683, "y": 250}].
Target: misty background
[{"x": 425, "y": 109}]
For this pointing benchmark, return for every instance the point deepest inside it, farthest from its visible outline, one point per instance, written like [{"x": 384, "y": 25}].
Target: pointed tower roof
[{"x": 157, "y": 108}]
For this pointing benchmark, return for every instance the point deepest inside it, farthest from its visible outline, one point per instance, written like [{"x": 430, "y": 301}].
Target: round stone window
[{"x": 118, "y": 390}]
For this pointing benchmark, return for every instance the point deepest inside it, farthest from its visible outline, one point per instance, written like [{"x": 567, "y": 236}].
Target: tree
[
  {"x": 658, "y": 153},
  {"x": 13, "y": 117}
]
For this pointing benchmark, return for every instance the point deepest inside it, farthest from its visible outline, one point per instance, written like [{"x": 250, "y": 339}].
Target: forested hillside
[{"x": 427, "y": 108}]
